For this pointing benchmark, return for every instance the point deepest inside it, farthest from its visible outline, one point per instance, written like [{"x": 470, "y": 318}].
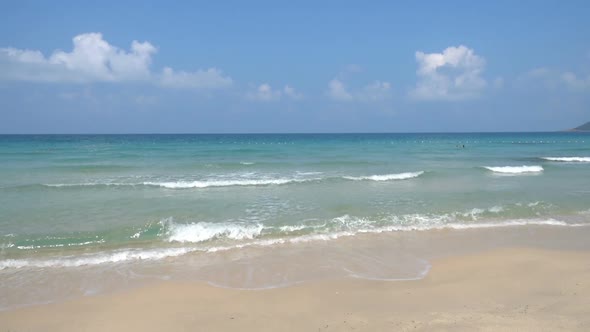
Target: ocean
[{"x": 81, "y": 211}]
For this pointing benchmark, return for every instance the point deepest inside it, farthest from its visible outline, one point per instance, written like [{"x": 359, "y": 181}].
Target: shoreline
[
  {"x": 391, "y": 257},
  {"x": 499, "y": 289}
]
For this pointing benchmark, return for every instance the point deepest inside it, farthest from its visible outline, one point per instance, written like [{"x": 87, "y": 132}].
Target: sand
[{"x": 515, "y": 289}]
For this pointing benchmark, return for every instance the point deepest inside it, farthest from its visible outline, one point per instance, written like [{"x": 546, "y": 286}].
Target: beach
[
  {"x": 499, "y": 290},
  {"x": 532, "y": 278}
]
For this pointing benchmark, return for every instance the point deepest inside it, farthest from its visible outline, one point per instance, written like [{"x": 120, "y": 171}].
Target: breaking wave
[
  {"x": 386, "y": 177},
  {"x": 301, "y": 177},
  {"x": 568, "y": 159},
  {"x": 344, "y": 226},
  {"x": 222, "y": 183},
  {"x": 205, "y": 231},
  {"x": 515, "y": 169}
]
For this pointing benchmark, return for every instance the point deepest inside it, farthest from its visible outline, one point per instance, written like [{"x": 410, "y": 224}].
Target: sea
[{"x": 82, "y": 214}]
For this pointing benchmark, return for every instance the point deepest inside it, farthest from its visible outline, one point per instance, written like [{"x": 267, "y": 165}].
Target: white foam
[
  {"x": 464, "y": 226},
  {"x": 496, "y": 209},
  {"x": 242, "y": 180},
  {"x": 96, "y": 259},
  {"x": 515, "y": 169},
  {"x": 386, "y": 177},
  {"x": 569, "y": 159},
  {"x": 222, "y": 183},
  {"x": 89, "y": 184},
  {"x": 473, "y": 213},
  {"x": 309, "y": 173},
  {"x": 204, "y": 231},
  {"x": 188, "y": 233},
  {"x": 290, "y": 229},
  {"x": 60, "y": 245}
]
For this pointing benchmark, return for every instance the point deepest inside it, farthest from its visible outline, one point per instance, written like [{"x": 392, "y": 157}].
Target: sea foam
[
  {"x": 223, "y": 183},
  {"x": 344, "y": 226},
  {"x": 118, "y": 256},
  {"x": 514, "y": 169},
  {"x": 204, "y": 231},
  {"x": 568, "y": 159},
  {"x": 386, "y": 177}
]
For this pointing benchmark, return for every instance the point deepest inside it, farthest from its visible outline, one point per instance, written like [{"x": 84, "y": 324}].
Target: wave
[
  {"x": 118, "y": 256},
  {"x": 386, "y": 177},
  {"x": 205, "y": 231},
  {"x": 343, "y": 226},
  {"x": 185, "y": 184},
  {"x": 224, "y": 183},
  {"x": 60, "y": 245},
  {"x": 568, "y": 159},
  {"x": 201, "y": 232},
  {"x": 514, "y": 169},
  {"x": 89, "y": 184},
  {"x": 231, "y": 182}
]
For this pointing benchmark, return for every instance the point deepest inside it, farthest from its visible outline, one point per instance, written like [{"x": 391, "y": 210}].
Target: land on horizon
[{"x": 584, "y": 127}]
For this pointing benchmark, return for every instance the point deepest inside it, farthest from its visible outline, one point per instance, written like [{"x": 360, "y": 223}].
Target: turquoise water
[{"x": 80, "y": 200}]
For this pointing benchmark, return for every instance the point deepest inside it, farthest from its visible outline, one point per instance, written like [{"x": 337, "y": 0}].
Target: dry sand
[{"x": 514, "y": 289}]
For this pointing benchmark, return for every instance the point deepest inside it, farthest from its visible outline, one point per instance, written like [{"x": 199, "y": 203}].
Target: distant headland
[{"x": 584, "y": 127}]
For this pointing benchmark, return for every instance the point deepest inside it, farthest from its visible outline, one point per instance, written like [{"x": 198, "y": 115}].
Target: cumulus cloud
[
  {"x": 375, "y": 91},
  {"x": 454, "y": 74},
  {"x": 265, "y": 92},
  {"x": 93, "y": 59}
]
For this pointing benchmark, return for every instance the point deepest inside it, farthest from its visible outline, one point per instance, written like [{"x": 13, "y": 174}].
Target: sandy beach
[{"x": 513, "y": 289}]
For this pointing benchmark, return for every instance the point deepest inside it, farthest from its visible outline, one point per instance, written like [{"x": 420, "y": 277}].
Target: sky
[{"x": 293, "y": 67}]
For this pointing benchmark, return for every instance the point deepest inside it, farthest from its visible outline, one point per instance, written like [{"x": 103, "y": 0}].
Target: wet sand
[{"x": 505, "y": 289}]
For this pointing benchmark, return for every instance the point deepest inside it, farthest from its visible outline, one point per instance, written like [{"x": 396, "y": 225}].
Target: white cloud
[
  {"x": 375, "y": 91},
  {"x": 554, "y": 79},
  {"x": 93, "y": 59},
  {"x": 337, "y": 91},
  {"x": 291, "y": 93},
  {"x": 210, "y": 78},
  {"x": 265, "y": 92},
  {"x": 454, "y": 74},
  {"x": 573, "y": 81}
]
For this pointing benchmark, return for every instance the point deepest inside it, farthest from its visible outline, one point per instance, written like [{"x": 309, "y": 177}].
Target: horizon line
[{"x": 297, "y": 133}]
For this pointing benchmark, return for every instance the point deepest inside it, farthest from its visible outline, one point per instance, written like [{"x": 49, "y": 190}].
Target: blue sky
[{"x": 329, "y": 66}]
